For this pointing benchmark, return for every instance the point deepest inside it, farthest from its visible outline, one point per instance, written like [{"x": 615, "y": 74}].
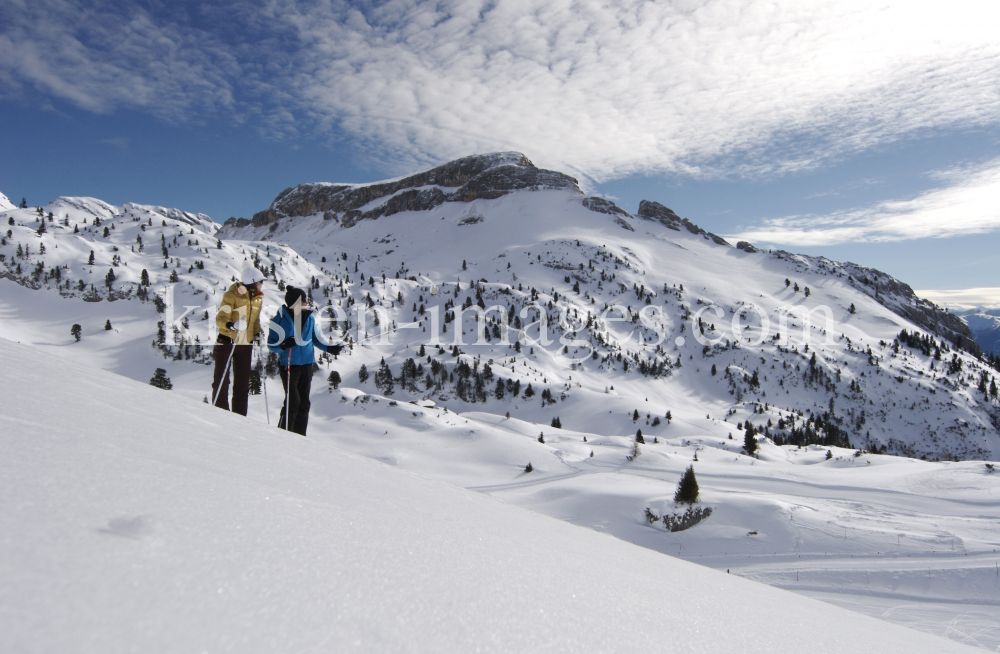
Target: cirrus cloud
[
  {"x": 721, "y": 87},
  {"x": 967, "y": 205}
]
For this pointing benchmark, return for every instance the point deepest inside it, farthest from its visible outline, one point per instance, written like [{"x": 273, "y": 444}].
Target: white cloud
[
  {"x": 113, "y": 55},
  {"x": 968, "y": 206},
  {"x": 594, "y": 88}
]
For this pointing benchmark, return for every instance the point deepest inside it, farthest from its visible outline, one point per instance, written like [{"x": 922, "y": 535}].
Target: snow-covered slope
[
  {"x": 822, "y": 524},
  {"x": 138, "y": 520}
]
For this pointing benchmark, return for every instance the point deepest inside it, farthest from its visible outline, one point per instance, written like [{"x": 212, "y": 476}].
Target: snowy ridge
[{"x": 158, "y": 523}]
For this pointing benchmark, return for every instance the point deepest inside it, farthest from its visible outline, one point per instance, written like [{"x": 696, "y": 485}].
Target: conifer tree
[
  {"x": 107, "y": 325},
  {"x": 90, "y": 259},
  {"x": 750, "y": 440},
  {"x": 639, "y": 438},
  {"x": 333, "y": 379},
  {"x": 76, "y": 331},
  {"x": 557, "y": 423},
  {"x": 687, "y": 488},
  {"x": 160, "y": 380},
  {"x": 363, "y": 374}
]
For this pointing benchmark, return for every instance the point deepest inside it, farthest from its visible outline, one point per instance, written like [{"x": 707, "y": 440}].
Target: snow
[
  {"x": 907, "y": 540},
  {"x": 5, "y": 203},
  {"x": 139, "y": 520}
]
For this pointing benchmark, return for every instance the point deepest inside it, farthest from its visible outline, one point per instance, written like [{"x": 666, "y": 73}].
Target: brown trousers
[{"x": 240, "y": 365}]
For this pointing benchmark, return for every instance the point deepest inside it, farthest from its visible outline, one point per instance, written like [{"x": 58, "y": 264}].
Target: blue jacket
[{"x": 301, "y": 354}]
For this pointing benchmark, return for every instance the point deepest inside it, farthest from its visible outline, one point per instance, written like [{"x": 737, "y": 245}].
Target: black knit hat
[{"x": 292, "y": 296}]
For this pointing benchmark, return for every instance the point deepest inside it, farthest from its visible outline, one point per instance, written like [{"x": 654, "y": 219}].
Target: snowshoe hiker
[
  {"x": 293, "y": 336},
  {"x": 238, "y": 321}
]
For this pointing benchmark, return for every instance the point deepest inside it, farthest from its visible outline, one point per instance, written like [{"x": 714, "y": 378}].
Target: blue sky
[{"x": 860, "y": 132}]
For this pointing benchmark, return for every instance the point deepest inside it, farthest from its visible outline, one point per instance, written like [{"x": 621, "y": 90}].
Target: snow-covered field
[
  {"x": 137, "y": 520},
  {"x": 911, "y": 541}
]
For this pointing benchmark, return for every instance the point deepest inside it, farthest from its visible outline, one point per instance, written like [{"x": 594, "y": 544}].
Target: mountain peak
[
  {"x": 490, "y": 175},
  {"x": 657, "y": 212}
]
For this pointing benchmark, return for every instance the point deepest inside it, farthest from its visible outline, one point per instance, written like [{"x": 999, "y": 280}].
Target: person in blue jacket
[{"x": 296, "y": 379}]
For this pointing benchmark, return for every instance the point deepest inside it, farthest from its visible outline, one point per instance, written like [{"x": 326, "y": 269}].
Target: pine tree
[
  {"x": 635, "y": 415},
  {"x": 852, "y": 310},
  {"x": 363, "y": 374},
  {"x": 90, "y": 259},
  {"x": 160, "y": 380},
  {"x": 107, "y": 325},
  {"x": 144, "y": 278},
  {"x": 76, "y": 331},
  {"x": 173, "y": 277},
  {"x": 255, "y": 383},
  {"x": 333, "y": 379},
  {"x": 750, "y": 440},
  {"x": 557, "y": 423},
  {"x": 687, "y": 488},
  {"x": 109, "y": 278},
  {"x": 639, "y": 438}
]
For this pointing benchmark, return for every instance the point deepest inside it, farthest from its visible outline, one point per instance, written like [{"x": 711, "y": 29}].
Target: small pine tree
[
  {"x": 541, "y": 438},
  {"x": 528, "y": 468},
  {"x": 255, "y": 384},
  {"x": 852, "y": 310},
  {"x": 829, "y": 455},
  {"x": 687, "y": 488},
  {"x": 635, "y": 415},
  {"x": 334, "y": 379},
  {"x": 107, "y": 325},
  {"x": 363, "y": 374},
  {"x": 76, "y": 331},
  {"x": 557, "y": 423},
  {"x": 90, "y": 259},
  {"x": 173, "y": 277},
  {"x": 750, "y": 441},
  {"x": 160, "y": 380},
  {"x": 639, "y": 438},
  {"x": 144, "y": 278},
  {"x": 715, "y": 370}
]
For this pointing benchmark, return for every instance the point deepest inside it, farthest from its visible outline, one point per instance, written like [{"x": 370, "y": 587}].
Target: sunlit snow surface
[{"x": 135, "y": 519}]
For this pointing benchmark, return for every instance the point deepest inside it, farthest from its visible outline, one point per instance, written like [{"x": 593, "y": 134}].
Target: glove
[
  {"x": 334, "y": 349},
  {"x": 287, "y": 343},
  {"x": 224, "y": 340},
  {"x": 229, "y": 325}
]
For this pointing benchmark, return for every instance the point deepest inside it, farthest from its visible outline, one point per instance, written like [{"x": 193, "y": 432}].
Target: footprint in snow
[{"x": 128, "y": 527}]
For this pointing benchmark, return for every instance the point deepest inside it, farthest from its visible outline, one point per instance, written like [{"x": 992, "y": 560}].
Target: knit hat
[
  {"x": 251, "y": 276},
  {"x": 292, "y": 295}
]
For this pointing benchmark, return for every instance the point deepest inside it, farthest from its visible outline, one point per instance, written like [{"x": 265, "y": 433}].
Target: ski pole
[
  {"x": 225, "y": 375},
  {"x": 288, "y": 387},
  {"x": 263, "y": 381}
]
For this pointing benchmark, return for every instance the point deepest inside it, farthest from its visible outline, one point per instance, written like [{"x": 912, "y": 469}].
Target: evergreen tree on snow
[
  {"x": 76, "y": 331},
  {"x": 160, "y": 380},
  {"x": 687, "y": 488}
]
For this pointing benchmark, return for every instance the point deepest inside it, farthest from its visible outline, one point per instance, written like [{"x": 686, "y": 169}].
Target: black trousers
[
  {"x": 240, "y": 365},
  {"x": 297, "y": 392}
]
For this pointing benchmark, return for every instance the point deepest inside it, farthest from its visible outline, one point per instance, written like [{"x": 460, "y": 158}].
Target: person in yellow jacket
[{"x": 238, "y": 321}]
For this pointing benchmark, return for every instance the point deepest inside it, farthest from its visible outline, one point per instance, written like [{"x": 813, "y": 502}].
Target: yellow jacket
[{"x": 240, "y": 303}]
